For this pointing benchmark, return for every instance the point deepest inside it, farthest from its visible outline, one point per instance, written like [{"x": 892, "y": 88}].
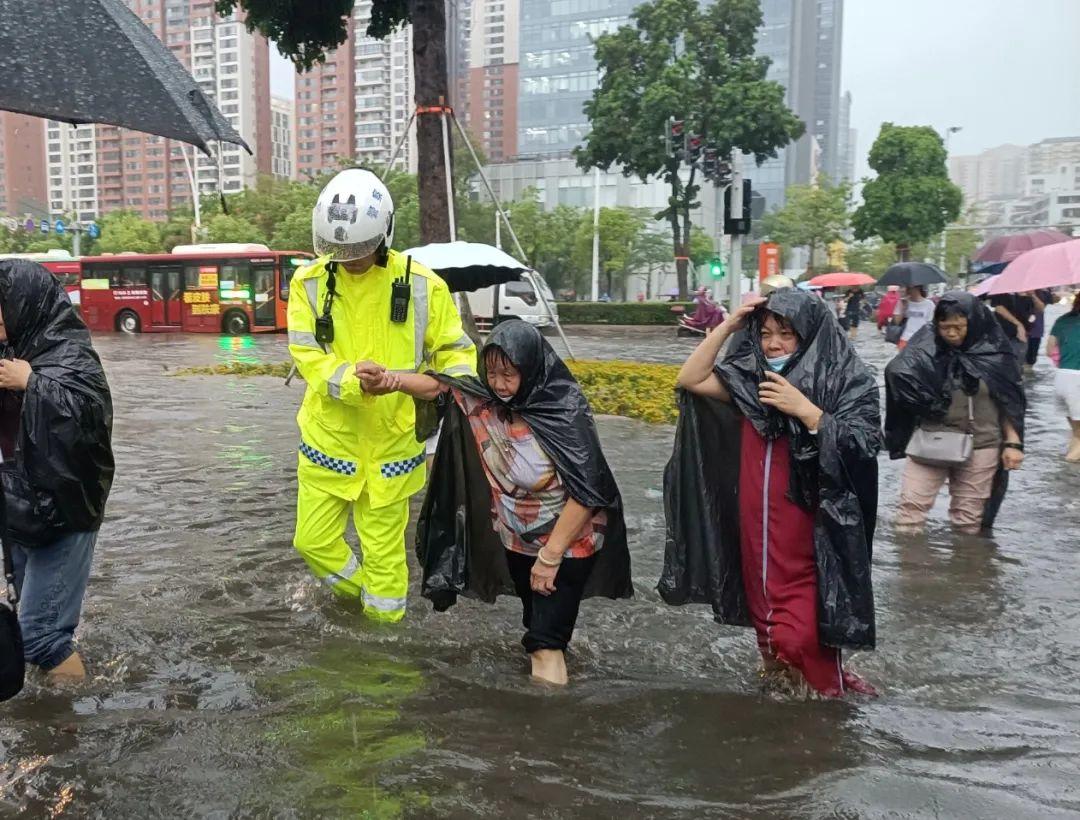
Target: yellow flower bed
[{"x": 614, "y": 388}]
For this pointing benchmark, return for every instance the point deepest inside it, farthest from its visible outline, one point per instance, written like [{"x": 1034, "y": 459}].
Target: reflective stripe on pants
[{"x": 381, "y": 578}]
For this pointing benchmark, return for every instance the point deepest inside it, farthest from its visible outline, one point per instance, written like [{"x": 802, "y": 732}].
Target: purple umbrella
[{"x": 1007, "y": 248}]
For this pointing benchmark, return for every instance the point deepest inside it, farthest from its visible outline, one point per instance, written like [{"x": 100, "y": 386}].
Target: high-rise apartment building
[
  {"x": 997, "y": 173},
  {"x": 356, "y": 105},
  {"x": 384, "y": 94},
  {"x": 325, "y": 99},
  {"x": 23, "y": 187},
  {"x": 97, "y": 169},
  {"x": 493, "y": 77},
  {"x": 282, "y": 141}
]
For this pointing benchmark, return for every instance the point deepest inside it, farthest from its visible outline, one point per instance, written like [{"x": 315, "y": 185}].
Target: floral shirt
[{"x": 527, "y": 494}]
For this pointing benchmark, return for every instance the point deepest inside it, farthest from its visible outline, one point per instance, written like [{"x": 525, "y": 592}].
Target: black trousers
[
  {"x": 549, "y": 619},
  {"x": 1033, "y": 349}
]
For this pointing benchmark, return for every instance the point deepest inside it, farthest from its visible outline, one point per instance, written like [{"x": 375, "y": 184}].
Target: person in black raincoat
[
  {"x": 771, "y": 492},
  {"x": 55, "y": 436},
  {"x": 958, "y": 373},
  {"x": 521, "y": 499}
]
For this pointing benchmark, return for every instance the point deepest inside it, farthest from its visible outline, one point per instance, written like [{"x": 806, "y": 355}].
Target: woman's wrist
[
  {"x": 811, "y": 416},
  {"x": 550, "y": 556}
]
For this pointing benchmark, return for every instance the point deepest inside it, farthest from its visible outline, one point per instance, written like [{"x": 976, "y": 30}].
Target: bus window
[
  {"x": 127, "y": 276},
  {"x": 236, "y": 272}
]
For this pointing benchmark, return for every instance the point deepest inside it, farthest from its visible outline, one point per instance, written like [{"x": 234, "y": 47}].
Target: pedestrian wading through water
[
  {"x": 55, "y": 435},
  {"x": 771, "y": 491}
]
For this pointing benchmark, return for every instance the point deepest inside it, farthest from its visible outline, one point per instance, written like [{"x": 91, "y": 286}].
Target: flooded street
[{"x": 226, "y": 682}]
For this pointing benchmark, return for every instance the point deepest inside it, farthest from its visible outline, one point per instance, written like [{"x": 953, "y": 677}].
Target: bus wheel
[
  {"x": 127, "y": 321},
  {"x": 235, "y": 323}
]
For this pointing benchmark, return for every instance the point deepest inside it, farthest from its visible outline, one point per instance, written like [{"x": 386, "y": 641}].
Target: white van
[{"x": 514, "y": 300}]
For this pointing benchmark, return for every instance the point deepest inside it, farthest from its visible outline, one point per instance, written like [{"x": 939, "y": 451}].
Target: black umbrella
[
  {"x": 907, "y": 274},
  {"x": 83, "y": 61}
]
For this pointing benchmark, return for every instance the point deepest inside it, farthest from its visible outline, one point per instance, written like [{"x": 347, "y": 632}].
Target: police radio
[
  {"x": 324, "y": 325},
  {"x": 400, "y": 294}
]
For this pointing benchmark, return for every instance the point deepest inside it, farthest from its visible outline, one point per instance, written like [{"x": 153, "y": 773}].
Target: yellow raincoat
[{"x": 356, "y": 450}]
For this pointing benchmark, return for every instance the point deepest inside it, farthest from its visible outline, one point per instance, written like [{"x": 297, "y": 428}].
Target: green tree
[
  {"x": 812, "y": 216},
  {"x": 304, "y": 32},
  {"x": 619, "y": 229},
  {"x": 690, "y": 62},
  {"x": 293, "y": 233},
  {"x": 127, "y": 231},
  {"x": 871, "y": 257},
  {"x": 911, "y": 200},
  {"x": 222, "y": 228}
]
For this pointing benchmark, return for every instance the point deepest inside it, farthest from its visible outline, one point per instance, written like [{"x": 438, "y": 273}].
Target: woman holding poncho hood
[
  {"x": 55, "y": 433},
  {"x": 771, "y": 492},
  {"x": 521, "y": 500},
  {"x": 958, "y": 376}
]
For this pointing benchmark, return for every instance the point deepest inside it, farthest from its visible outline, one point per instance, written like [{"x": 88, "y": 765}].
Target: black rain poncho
[
  {"x": 920, "y": 381},
  {"x": 458, "y": 549},
  {"x": 60, "y": 477},
  {"x": 834, "y": 474}
]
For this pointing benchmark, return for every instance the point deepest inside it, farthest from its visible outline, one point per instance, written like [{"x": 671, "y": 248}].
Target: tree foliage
[
  {"x": 812, "y": 216},
  {"x": 304, "y": 31},
  {"x": 127, "y": 231},
  {"x": 911, "y": 200},
  {"x": 690, "y": 62}
]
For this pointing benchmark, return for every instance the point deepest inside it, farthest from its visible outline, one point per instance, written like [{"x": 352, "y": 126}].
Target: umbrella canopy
[
  {"x": 1007, "y": 248},
  {"x": 469, "y": 265},
  {"x": 1048, "y": 267},
  {"x": 843, "y": 279},
  {"x": 907, "y": 274},
  {"x": 82, "y": 61},
  {"x": 982, "y": 288}
]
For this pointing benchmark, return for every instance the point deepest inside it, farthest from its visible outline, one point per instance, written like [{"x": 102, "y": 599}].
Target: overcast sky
[{"x": 1004, "y": 70}]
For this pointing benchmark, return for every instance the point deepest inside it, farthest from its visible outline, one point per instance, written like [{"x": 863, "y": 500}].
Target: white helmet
[{"x": 353, "y": 217}]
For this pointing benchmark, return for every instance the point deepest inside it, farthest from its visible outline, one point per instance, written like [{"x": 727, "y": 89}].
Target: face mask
[{"x": 776, "y": 364}]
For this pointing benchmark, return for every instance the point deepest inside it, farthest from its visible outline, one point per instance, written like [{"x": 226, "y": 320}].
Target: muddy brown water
[{"x": 227, "y": 683}]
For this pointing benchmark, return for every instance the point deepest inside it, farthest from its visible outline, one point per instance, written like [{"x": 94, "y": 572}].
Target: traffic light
[
  {"x": 676, "y": 135},
  {"x": 723, "y": 173},
  {"x": 716, "y": 267},
  {"x": 694, "y": 145},
  {"x": 710, "y": 163},
  {"x": 735, "y": 224}
]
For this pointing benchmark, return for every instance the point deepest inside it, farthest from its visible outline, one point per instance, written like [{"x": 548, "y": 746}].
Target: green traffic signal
[{"x": 716, "y": 267}]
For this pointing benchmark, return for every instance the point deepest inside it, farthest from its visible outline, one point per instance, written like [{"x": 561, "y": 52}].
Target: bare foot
[
  {"x": 69, "y": 673},
  {"x": 549, "y": 665},
  {"x": 1073, "y": 454}
]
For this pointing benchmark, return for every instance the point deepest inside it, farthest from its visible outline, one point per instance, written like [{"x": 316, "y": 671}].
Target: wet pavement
[{"x": 227, "y": 683}]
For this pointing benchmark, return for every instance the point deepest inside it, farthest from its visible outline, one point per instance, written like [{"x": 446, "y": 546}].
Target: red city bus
[{"x": 226, "y": 288}]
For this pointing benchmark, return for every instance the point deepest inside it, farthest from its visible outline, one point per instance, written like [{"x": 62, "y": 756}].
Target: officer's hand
[
  {"x": 382, "y": 384},
  {"x": 368, "y": 368}
]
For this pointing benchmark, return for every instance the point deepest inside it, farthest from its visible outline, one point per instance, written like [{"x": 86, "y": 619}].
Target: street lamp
[{"x": 952, "y": 129}]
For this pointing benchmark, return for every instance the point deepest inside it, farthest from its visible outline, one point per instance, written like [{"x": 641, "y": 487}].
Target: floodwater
[{"x": 227, "y": 683}]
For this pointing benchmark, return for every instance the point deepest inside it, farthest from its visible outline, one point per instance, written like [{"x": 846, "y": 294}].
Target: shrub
[
  {"x": 620, "y": 313},
  {"x": 614, "y": 388}
]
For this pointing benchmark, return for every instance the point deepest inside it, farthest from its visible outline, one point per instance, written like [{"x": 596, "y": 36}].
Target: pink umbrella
[
  {"x": 843, "y": 279},
  {"x": 983, "y": 287},
  {"x": 1008, "y": 248},
  {"x": 1047, "y": 267}
]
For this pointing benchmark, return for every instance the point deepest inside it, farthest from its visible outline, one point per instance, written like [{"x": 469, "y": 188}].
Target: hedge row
[
  {"x": 619, "y": 313},
  {"x": 631, "y": 389}
]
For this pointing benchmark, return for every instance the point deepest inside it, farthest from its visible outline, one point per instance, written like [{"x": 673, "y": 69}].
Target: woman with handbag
[
  {"x": 954, "y": 407},
  {"x": 55, "y": 437}
]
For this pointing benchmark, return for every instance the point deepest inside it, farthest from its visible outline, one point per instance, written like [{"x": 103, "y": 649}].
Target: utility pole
[
  {"x": 952, "y": 129},
  {"x": 596, "y": 237},
  {"x": 735, "y": 265}
]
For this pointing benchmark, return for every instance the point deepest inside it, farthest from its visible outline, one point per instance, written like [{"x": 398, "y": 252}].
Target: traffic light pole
[
  {"x": 735, "y": 264},
  {"x": 718, "y": 284}
]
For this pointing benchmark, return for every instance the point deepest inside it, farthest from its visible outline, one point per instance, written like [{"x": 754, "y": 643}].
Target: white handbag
[{"x": 943, "y": 448}]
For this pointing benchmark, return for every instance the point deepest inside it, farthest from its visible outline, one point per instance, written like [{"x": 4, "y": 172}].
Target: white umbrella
[{"x": 468, "y": 265}]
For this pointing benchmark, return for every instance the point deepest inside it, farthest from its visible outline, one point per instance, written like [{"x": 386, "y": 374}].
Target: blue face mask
[{"x": 776, "y": 364}]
